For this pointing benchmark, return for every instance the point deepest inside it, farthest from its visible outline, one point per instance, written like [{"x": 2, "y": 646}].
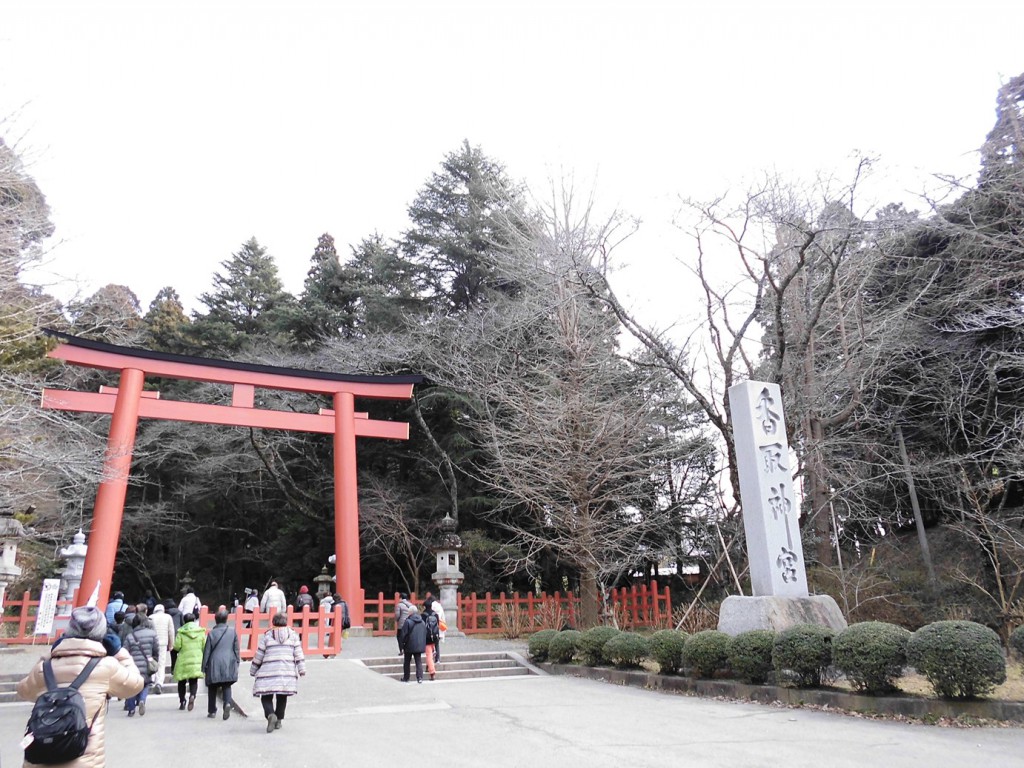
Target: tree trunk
[{"x": 590, "y": 606}]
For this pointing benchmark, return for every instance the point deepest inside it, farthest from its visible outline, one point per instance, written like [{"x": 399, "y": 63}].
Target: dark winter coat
[
  {"x": 220, "y": 655},
  {"x": 433, "y": 627},
  {"x": 141, "y": 643},
  {"x": 175, "y": 615},
  {"x": 413, "y": 635},
  {"x": 302, "y": 600}
]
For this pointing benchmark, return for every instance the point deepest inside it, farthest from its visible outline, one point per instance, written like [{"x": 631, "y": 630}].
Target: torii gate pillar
[
  {"x": 109, "y": 508},
  {"x": 129, "y": 403},
  {"x": 346, "y": 508}
]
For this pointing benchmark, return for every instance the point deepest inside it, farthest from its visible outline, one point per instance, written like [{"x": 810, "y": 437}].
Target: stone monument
[
  {"x": 11, "y": 532},
  {"x": 448, "y": 577},
  {"x": 323, "y": 584},
  {"x": 778, "y": 578},
  {"x": 71, "y": 576}
]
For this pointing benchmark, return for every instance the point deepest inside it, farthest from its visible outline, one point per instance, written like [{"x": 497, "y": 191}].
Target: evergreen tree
[
  {"x": 248, "y": 302},
  {"x": 326, "y": 308},
  {"x": 465, "y": 210},
  {"x": 166, "y": 324}
]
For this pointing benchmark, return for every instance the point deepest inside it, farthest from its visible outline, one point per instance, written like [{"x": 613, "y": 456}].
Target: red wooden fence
[
  {"x": 632, "y": 608},
  {"x": 320, "y": 632}
]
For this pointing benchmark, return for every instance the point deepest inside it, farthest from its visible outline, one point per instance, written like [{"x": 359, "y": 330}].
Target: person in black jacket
[{"x": 413, "y": 640}]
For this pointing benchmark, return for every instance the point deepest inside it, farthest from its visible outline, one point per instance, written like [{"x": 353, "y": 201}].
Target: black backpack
[
  {"x": 433, "y": 628},
  {"x": 57, "y": 724}
]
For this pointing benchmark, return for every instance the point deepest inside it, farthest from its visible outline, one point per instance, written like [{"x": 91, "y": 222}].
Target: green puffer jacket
[{"x": 189, "y": 643}]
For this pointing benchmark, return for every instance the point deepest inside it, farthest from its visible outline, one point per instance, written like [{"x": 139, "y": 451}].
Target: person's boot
[
  {"x": 227, "y": 710},
  {"x": 271, "y": 722}
]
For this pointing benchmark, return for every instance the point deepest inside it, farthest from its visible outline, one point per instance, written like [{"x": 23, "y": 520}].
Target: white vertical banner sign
[
  {"x": 47, "y": 606},
  {"x": 770, "y": 510}
]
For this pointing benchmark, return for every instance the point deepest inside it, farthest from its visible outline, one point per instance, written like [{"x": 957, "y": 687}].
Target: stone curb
[{"x": 907, "y": 706}]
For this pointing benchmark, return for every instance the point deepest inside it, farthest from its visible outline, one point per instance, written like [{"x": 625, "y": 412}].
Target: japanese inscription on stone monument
[{"x": 770, "y": 510}]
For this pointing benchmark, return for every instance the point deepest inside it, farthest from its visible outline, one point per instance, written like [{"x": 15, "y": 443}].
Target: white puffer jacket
[{"x": 114, "y": 676}]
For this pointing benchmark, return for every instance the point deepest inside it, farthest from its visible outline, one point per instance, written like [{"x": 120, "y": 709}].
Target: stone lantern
[
  {"x": 323, "y": 583},
  {"x": 448, "y": 577},
  {"x": 186, "y": 582},
  {"x": 11, "y": 532},
  {"x": 71, "y": 576}
]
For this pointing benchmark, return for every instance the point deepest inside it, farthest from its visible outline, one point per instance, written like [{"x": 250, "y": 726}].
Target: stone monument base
[{"x": 740, "y": 614}]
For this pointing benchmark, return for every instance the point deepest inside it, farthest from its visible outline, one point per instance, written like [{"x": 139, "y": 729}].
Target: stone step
[
  {"x": 461, "y": 666},
  {"x": 449, "y": 666}
]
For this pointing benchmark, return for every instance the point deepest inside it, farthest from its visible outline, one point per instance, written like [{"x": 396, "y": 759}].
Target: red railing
[
  {"x": 632, "y": 607},
  {"x": 320, "y": 633}
]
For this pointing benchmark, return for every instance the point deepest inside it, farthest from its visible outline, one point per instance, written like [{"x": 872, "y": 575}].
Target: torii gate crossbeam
[{"x": 128, "y": 402}]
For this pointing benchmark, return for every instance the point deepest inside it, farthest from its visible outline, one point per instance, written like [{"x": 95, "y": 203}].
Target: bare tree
[{"x": 569, "y": 430}]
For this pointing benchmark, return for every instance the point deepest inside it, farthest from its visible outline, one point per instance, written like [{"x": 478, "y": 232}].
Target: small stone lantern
[
  {"x": 448, "y": 577},
  {"x": 11, "y": 531},
  {"x": 323, "y": 583},
  {"x": 71, "y": 576}
]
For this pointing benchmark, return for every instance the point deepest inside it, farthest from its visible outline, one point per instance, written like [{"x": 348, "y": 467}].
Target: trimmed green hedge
[
  {"x": 563, "y": 646},
  {"x": 961, "y": 659},
  {"x": 627, "y": 649},
  {"x": 750, "y": 655},
  {"x": 591, "y": 648},
  {"x": 803, "y": 653},
  {"x": 667, "y": 650},
  {"x": 1017, "y": 642},
  {"x": 538, "y": 647},
  {"x": 872, "y": 655},
  {"x": 707, "y": 651}
]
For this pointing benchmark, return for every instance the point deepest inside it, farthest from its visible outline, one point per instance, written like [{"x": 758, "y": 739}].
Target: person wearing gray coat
[
  {"x": 220, "y": 663},
  {"x": 143, "y": 645}
]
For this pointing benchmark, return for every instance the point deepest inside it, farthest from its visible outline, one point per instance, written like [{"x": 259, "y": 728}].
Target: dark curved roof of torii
[{"x": 149, "y": 354}]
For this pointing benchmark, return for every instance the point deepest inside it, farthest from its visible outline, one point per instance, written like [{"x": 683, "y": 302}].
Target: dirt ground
[{"x": 1011, "y": 690}]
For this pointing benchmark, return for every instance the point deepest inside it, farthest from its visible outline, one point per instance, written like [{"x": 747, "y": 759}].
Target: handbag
[
  {"x": 153, "y": 664},
  {"x": 442, "y": 626}
]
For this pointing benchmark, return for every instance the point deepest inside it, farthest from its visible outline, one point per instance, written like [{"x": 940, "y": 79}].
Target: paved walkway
[{"x": 346, "y": 715}]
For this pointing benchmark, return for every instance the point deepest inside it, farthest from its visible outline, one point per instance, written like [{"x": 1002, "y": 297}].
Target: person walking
[
  {"x": 190, "y": 603},
  {"x": 117, "y": 603},
  {"x": 403, "y": 609},
  {"x": 273, "y": 598},
  {"x": 412, "y": 639},
  {"x": 188, "y": 667},
  {"x": 113, "y": 676},
  {"x": 144, "y": 646},
  {"x": 252, "y": 600},
  {"x": 303, "y": 599},
  {"x": 433, "y": 635},
  {"x": 277, "y": 667},
  {"x": 163, "y": 625},
  {"x": 220, "y": 663},
  {"x": 345, "y": 620},
  {"x": 251, "y": 605},
  {"x": 436, "y": 607}
]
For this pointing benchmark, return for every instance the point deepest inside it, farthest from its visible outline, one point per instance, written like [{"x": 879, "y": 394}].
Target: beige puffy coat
[{"x": 114, "y": 676}]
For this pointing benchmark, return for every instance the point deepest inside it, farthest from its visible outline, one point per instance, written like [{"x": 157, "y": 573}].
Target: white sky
[{"x": 166, "y": 134}]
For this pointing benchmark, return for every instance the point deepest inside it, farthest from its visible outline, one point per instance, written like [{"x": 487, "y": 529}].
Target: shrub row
[{"x": 960, "y": 659}]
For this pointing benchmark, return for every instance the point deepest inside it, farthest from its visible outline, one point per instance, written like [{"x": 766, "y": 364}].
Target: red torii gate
[{"x": 128, "y": 402}]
